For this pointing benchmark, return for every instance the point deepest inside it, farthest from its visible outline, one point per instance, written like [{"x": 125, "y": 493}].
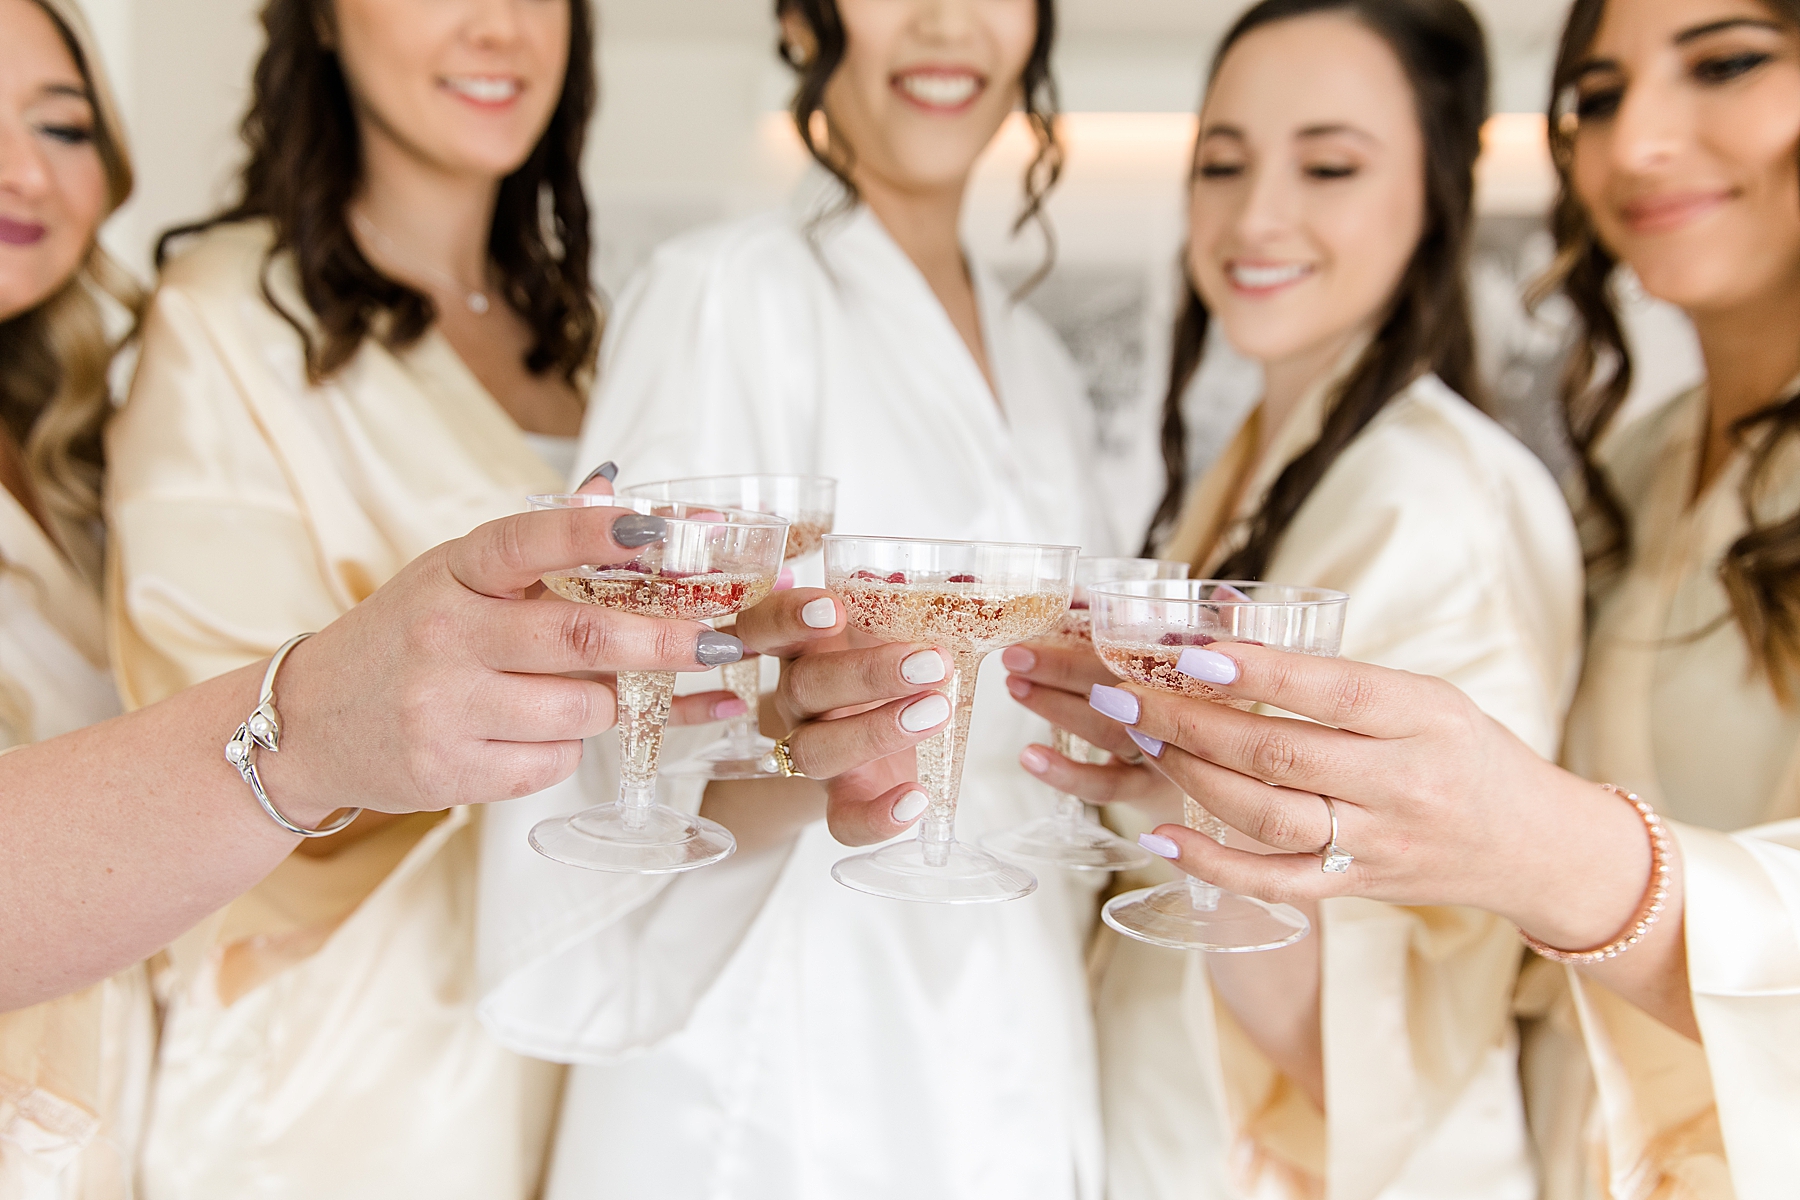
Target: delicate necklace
[{"x": 477, "y": 301}]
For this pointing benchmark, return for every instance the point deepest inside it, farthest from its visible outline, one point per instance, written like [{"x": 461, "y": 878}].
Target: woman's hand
[
  {"x": 851, "y": 712},
  {"x": 1053, "y": 681},
  {"x": 452, "y": 684},
  {"x": 1437, "y": 802}
]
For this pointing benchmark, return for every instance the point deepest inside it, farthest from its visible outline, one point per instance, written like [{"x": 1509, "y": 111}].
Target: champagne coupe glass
[
  {"x": 711, "y": 562},
  {"x": 1140, "y": 630},
  {"x": 1071, "y": 837},
  {"x": 808, "y": 502},
  {"x": 971, "y": 598}
]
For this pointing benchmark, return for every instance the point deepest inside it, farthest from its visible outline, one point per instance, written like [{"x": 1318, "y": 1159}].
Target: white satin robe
[
  {"x": 75, "y": 1071},
  {"x": 755, "y": 1029},
  {"x": 1688, "y": 723},
  {"x": 1461, "y": 561},
  {"x": 319, "y": 1037}
]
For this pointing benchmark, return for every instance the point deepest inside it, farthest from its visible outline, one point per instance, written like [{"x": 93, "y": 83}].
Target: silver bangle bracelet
[{"x": 262, "y": 730}]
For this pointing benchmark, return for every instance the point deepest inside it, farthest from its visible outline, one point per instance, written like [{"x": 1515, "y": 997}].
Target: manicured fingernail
[
  {"x": 1113, "y": 702},
  {"x": 1018, "y": 658},
  {"x": 1159, "y": 845},
  {"x": 724, "y": 710},
  {"x": 924, "y": 712},
  {"x": 1020, "y": 688},
  {"x": 1208, "y": 666},
  {"x": 923, "y": 666},
  {"x": 1034, "y": 760},
  {"x": 1149, "y": 745},
  {"x": 820, "y": 613},
  {"x": 908, "y": 807},
  {"x": 608, "y": 470},
  {"x": 785, "y": 580},
  {"x": 715, "y": 649},
  {"x": 638, "y": 529}
]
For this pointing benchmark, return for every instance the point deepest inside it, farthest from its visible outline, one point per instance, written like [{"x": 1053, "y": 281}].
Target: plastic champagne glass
[
  {"x": 808, "y": 502},
  {"x": 1072, "y": 837},
  {"x": 971, "y": 598},
  {"x": 1140, "y": 630},
  {"x": 711, "y": 562}
]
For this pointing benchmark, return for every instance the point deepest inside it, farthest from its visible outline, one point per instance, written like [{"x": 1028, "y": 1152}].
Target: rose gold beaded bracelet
[{"x": 1655, "y": 896}]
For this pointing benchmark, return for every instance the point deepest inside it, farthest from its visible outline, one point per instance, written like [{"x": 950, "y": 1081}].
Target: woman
[
  {"x": 1330, "y": 219},
  {"x": 789, "y": 1037},
  {"x": 384, "y": 342},
  {"x": 1675, "y": 126}
]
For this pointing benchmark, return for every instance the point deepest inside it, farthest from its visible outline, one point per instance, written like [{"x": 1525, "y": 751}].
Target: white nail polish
[
  {"x": 820, "y": 613},
  {"x": 908, "y": 807},
  {"x": 926, "y": 666},
  {"x": 924, "y": 713}
]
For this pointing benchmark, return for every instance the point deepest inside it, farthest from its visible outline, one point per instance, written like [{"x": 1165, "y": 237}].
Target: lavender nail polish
[
  {"x": 1149, "y": 745},
  {"x": 714, "y": 649},
  {"x": 1208, "y": 666},
  {"x": 1113, "y": 702},
  {"x": 1159, "y": 845}
]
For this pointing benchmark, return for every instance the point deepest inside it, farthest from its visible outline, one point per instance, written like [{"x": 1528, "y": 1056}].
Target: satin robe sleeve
[
  {"x": 1460, "y": 559},
  {"x": 573, "y": 972},
  {"x": 1718, "y": 1118},
  {"x": 212, "y": 565}
]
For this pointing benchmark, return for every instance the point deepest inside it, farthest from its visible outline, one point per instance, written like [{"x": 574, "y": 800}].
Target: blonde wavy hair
[{"x": 55, "y": 358}]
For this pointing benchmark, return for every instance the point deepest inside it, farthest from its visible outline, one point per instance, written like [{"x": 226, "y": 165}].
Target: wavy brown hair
[
  {"x": 54, "y": 358},
  {"x": 1761, "y": 570},
  {"x": 1426, "y": 326},
  {"x": 816, "y": 64},
  {"x": 304, "y": 167}
]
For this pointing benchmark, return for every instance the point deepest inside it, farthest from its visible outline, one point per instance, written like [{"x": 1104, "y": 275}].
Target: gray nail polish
[
  {"x": 715, "y": 649},
  {"x": 608, "y": 470},
  {"x": 638, "y": 529}
]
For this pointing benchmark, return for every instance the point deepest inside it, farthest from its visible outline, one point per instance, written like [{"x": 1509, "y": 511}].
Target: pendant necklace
[{"x": 477, "y": 301}]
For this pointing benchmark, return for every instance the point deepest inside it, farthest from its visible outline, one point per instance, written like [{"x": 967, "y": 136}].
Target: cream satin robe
[
  {"x": 1671, "y": 707},
  {"x": 74, "y": 1072},
  {"x": 319, "y": 1037},
  {"x": 1460, "y": 559},
  {"x": 758, "y": 1030}
]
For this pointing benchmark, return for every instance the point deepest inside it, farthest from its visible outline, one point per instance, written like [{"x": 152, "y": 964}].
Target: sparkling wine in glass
[
  {"x": 971, "y": 598},
  {"x": 1140, "y": 630},
  {"x": 711, "y": 562},
  {"x": 808, "y": 502},
  {"x": 1072, "y": 837}
]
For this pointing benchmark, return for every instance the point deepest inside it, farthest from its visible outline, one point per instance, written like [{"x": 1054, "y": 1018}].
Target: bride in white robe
[{"x": 756, "y": 1029}]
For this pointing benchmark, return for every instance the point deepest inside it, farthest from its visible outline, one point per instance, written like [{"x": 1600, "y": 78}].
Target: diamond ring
[{"x": 1336, "y": 862}]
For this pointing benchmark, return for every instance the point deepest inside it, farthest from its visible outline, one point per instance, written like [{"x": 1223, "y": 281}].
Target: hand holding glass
[
  {"x": 1140, "y": 630},
  {"x": 710, "y": 562}
]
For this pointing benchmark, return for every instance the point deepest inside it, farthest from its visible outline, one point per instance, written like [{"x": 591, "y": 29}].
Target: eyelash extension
[
  {"x": 1730, "y": 66},
  {"x": 1220, "y": 171},
  {"x": 1331, "y": 172},
  {"x": 71, "y": 135}
]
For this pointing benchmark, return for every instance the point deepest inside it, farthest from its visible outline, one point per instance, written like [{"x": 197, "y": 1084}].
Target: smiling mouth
[
  {"x": 1659, "y": 214},
  {"x": 1246, "y": 277},
  {"x": 20, "y": 233},
  {"x": 490, "y": 90},
  {"x": 939, "y": 91}
]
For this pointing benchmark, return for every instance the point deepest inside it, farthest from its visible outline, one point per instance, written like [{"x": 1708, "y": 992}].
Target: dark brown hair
[
  {"x": 1037, "y": 87},
  {"x": 1426, "y": 326},
  {"x": 1761, "y": 570},
  {"x": 304, "y": 165}
]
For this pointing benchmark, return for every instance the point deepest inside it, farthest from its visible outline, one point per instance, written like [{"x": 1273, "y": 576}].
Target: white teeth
[
  {"x": 943, "y": 91},
  {"x": 1266, "y": 277},
  {"x": 485, "y": 89}
]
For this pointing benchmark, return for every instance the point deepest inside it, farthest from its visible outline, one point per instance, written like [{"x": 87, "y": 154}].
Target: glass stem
[
  {"x": 1203, "y": 896},
  {"x": 644, "y": 699},
  {"x": 941, "y": 763},
  {"x": 744, "y": 680},
  {"x": 1071, "y": 812}
]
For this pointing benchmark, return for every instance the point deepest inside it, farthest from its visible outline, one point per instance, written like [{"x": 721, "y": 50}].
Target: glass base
[
  {"x": 665, "y": 840},
  {"x": 1168, "y": 916},
  {"x": 729, "y": 759},
  {"x": 1084, "y": 846},
  {"x": 967, "y": 876}
]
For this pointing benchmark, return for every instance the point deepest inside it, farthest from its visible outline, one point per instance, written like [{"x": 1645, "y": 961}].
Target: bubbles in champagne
[
  {"x": 964, "y": 618},
  {"x": 677, "y": 597},
  {"x": 1153, "y": 665},
  {"x": 805, "y": 534}
]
